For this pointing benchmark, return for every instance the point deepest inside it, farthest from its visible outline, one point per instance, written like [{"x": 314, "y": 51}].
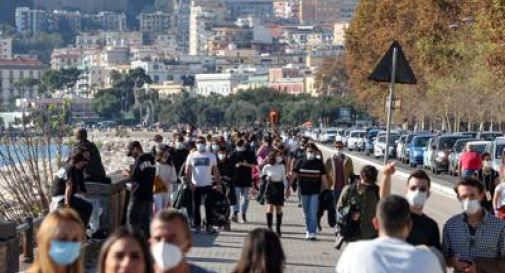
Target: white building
[
  {"x": 14, "y": 70},
  {"x": 347, "y": 9},
  {"x": 203, "y": 15},
  {"x": 105, "y": 20},
  {"x": 6, "y": 48},
  {"x": 168, "y": 70},
  {"x": 66, "y": 58},
  {"x": 31, "y": 21},
  {"x": 222, "y": 84},
  {"x": 339, "y": 33},
  {"x": 182, "y": 10},
  {"x": 133, "y": 38}
]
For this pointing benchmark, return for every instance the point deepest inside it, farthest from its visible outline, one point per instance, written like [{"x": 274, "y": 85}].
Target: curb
[{"x": 437, "y": 184}]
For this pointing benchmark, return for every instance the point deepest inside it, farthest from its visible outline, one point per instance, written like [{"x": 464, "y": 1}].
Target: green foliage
[
  {"x": 60, "y": 79},
  {"x": 41, "y": 45},
  {"x": 107, "y": 103}
]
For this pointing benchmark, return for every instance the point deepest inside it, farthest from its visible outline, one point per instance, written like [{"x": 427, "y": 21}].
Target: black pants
[
  {"x": 200, "y": 196},
  {"x": 139, "y": 215}
]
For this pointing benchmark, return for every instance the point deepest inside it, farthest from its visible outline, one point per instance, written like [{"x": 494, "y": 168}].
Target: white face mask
[
  {"x": 215, "y": 147},
  {"x": 417, "y": 198},
  {"x": 166, "y": 256},
  {"x": 488, "y": 164},
  {"x": 279, "y": 159},
  {"x": 221, "y": 156},
  {"x": 200, "y": 148},
  {"x": 470, "y": 206},
  {"x": 179, "y": 145},
  {"x": 240, "y": 149}
]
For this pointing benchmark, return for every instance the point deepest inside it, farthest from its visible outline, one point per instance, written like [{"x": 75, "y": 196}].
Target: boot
[
  {"x": 278, "y": 224},
  {"x": 270, "y": 220}
]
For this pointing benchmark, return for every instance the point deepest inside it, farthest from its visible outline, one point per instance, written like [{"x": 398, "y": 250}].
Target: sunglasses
[{"x": 421, "y": 189}]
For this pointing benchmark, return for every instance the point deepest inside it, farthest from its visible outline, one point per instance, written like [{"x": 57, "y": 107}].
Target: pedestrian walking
[
  {"x": 59, "y": 240},
  {"x": 165, "y": 182},
  {"x": 474, "y": 233},
  {"x": 390, "y": 252},
  {"x": 311, "y": 175},
  {"x": 180, "y": 153},
  {"x": 244, "y": 161},
  {"x": 469, "y": 162},
  {"x": 342, "y": 169},
  {"x": 141, "y": 175},
  {"x": 94, "y": 170},
  {"x": 424, "y": 230},
  {"x": 499, "y": 200},
  {"x": 489, "y": 178},
  {"x": 200, "y": 168},
  {"x": 262, "y": 253},
  {"x": 158, "y": 145},
  {"x": 277, "y": 189},
  {"x": 125, "y": 250},
  {"x": 171, "y": 242}
]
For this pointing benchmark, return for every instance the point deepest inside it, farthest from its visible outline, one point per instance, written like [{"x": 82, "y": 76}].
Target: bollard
[{"x": 28, "y": 243}]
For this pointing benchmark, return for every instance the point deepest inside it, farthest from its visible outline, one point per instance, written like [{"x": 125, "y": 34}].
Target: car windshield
[
  {"x": 480, "y": 148},
  {"x": 372, "y": 134},
  {"x": 446, "y": 143},
  {"x": 500, "y": 149},
  {"x": 421, "y": 141},
  {"x": 410, "y": 137},
  {"x": 489, "y": 136},
  {"x": 358, "y": 134},
  {"x": 381, "y": 139},
  {"x": 458, "y": 147}
]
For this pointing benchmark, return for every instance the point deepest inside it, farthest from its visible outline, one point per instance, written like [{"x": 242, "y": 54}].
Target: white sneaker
[
  {"x": 307, "y": 235},
  {"x": 312, "y": 237}
]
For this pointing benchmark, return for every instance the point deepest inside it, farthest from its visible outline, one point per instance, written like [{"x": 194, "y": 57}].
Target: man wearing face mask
[
  {"x": 158, "y": 143},
  {"x": 200, "y": 168},
  {"x": 424, "y": 229},
  {"x": 244, "y": 161},
  {"x": 180, "y": 153},
  {"x": 489, "y": 177},
  {"x": 389, "y": 252},
  {"x": 296, "y": 156},
  {"x": 170, "y": 243},
  {"x": 474, "y": 233},
  {"x": 342, "y": 169},
  {"x": 311, "y": 175}
]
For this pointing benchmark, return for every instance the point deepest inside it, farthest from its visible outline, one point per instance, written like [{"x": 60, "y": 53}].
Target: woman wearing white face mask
[
  {"x": 59, "y": 242},
  {"x": 166, "y": 179},
  {"x": 277, "y": 188}
]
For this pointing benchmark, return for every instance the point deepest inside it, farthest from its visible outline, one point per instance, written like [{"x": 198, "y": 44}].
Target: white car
[
  {"x": 379, "y": 146},
  {"x": 497, "y": 150},
  {"x": 356, "y": 140},
  {"x": 328, "y": 136}
]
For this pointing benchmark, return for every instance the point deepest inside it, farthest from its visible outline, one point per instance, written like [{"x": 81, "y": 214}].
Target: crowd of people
[{"x": 222, "y": 172}]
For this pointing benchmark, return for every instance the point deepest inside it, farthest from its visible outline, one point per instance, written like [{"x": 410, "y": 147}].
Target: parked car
[
  {"x": 442, "y": 146},
  {"x": 356, "y": 140},
  {"x": 370, "y": 137},
  {"x": 346, "y": 136},
  {"x": 469, "y": 134},
  {"x": 497, "y": 150},
  {"x": 328, "y": 135},
  {"x": 428, "y": 152},
  {"x": 339, "y": 135},
  {"x": 489, "y": 136},
  {"x": 379, "y": 147},
  {"x": 404, "y": 153},
  {"x": 458, "y": 148},
  {"x": 417, "y": 148}
]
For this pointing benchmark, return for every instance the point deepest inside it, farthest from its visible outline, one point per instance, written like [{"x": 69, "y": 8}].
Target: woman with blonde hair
[{"x": 59, "y": 240}]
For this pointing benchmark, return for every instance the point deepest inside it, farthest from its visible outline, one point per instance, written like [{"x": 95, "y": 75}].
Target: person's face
[
  {"x": 339, "y": 147},
  {"x": 87, "y": 155},
  {"x": 166, "y": 156},
  {"x": 418, "y": 184},
  {"x": 172, "y": 232},
  {"x": 125, "y": 256},
  {"x": 469, "y": 192},
  {"x": 81, "y": 164},
  {"x": 68, "y": 231}
]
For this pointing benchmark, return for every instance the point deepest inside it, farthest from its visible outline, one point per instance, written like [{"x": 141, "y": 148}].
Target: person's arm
[
  {"x": 324, "y": 179},
  {"x": 188, "y": 170},
  {"x": 385, "y": 185},
  {"x": 217, "y": 175},
  {"x": 496, "y": 198},
  {"x": 460, "y": 166},
  {"x": 68, "y": 192}
]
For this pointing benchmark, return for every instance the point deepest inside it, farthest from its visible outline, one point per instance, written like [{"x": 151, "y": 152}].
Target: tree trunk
[{"x": 491, "y": 125}]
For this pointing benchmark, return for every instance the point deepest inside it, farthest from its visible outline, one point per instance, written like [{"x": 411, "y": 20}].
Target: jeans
[
  {"x": 310, "y": 205},
  {"x": 467, "y": 173},
  {"x": 200, "y": 196},
  {"x": 242, "y": 194},
  {"x": 139, "y": 215}
]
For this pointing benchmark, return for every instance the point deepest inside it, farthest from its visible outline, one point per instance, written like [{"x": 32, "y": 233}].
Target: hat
[{"x": 131, "y": 145}]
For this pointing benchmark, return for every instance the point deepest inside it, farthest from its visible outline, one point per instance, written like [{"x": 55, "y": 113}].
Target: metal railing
[{"x": 27, "y": 230}]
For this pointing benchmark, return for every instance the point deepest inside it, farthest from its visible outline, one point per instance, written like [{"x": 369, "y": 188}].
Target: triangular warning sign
[{"x": 382, "y": 72}]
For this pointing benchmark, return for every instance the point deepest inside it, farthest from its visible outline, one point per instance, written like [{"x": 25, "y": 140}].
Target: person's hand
[
  {"x": 472, "y": 268},
  {"x": 125, "y": 172},
  {"x": 355, "y": 216},
  {"x": 288, "y": 192},
  {"x": 389, "y": 169}
]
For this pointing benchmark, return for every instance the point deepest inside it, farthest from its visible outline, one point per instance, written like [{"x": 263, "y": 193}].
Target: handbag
[{"x": 159, "y": 186}]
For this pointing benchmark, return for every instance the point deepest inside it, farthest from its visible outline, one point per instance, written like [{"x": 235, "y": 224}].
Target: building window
[
  {"x": 170, "y": 78},
  {"x": 156, "y": 78}
]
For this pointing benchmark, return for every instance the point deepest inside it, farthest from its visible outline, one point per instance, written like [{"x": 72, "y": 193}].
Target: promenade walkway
[{"x": 221, "y": 252}]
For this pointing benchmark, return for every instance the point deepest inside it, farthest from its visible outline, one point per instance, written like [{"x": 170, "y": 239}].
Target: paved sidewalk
[{"x": 220, "y": 253}]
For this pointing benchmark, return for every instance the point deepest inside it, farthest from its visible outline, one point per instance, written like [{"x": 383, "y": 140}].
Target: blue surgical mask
[{"x": 64, "y": 253}]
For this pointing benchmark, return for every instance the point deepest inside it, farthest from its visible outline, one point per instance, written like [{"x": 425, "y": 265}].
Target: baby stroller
[{"x": 220, "y": 205}]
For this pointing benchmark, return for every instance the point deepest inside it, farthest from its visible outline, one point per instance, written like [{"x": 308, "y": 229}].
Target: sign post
[{"x": 393, "y": 68}]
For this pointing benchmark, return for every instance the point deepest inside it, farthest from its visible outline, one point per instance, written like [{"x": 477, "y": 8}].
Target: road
[{"x": 221, "y": 252}]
